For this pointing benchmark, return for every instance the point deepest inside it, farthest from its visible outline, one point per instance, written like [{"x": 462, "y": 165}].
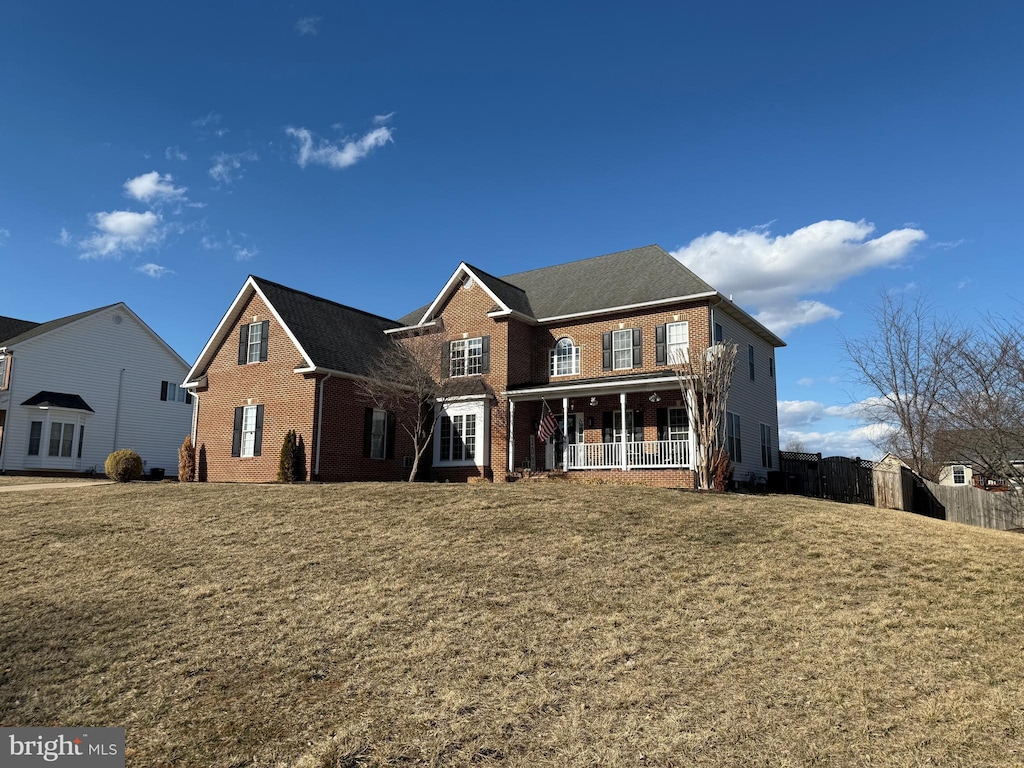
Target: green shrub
[
  {"x": 124, "y": 466},
  {"x": 187, "y": 461}
]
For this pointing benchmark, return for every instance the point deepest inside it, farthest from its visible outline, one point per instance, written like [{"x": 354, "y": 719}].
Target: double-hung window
[
  {"x": 35, "y": 436},
  {"x": 378, "y": 434},
  {"x": 565, "y": 358},
  {"x": 678, "y": 426},
  {"x": 677, "y": 336},
  {"x": 252, "y": 354},
  {"x": 249, "y": 430},
  {"x": 248, "y": 437},
  {"x": 466, "y": 357},
  {"x": 766, "y": 446},
  {"x": 622, "y": 350},
  {"x": 733, "y": 441},
  {"x": 959, "y": 474},
  {"x": 719, "y": 334}
]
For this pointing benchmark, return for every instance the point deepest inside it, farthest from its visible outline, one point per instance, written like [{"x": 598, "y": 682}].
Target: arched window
[{"x": 565, "y": 358}]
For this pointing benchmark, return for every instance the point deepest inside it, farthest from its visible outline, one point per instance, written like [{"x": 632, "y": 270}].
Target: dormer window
[{"x": 565, "y": 358}]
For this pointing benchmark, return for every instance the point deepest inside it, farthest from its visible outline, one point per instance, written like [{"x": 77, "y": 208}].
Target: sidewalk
[{"x": 52, "y": 486}]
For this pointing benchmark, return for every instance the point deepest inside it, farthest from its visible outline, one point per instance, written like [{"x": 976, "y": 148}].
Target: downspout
[
  {"x": 320, "y": 422},
  {"x": 10, "y": 402},
  {"x": 117, "y": 410},
  {"x": 195, "y": 418}
]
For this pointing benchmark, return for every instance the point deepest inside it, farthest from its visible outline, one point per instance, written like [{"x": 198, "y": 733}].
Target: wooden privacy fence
[{"x": 889, "y": 486}]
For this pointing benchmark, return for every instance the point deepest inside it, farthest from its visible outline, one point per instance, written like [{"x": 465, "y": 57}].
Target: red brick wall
[
  {"x": 287, "y": 398},
  {"x": 587, "y": 333},
  {"x": 341, "y": 449}
]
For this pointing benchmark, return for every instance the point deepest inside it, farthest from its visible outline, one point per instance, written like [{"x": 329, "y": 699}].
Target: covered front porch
[{"x": 616, "y": 423}]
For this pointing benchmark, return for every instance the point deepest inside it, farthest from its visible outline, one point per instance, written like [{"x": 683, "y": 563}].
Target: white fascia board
[
  {"x": 753, "y": 324},
  {"x": 466, "y": 398},
  {"x": 514, "y": 314},
  {"x": 628, "y": 307},
  {"x": 248, "y": 288},
  {"x": 603, "y": 387},
  {"x": 407, "y": 328},
  {"x": 463, "y": 268}
]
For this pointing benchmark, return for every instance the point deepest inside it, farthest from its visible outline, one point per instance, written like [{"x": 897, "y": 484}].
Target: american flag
[{"x": 548, "y": 425}]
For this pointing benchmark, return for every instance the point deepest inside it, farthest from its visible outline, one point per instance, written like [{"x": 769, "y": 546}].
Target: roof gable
[
  {"x": 327, "y": 335},
  {"x": 38, "y": 329},
  {"x": 11, "y": 327}
]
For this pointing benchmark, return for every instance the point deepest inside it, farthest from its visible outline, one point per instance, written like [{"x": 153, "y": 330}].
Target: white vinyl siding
[
  {"x": 766, "y": 446},
  {"x": 86, "y": 358}
]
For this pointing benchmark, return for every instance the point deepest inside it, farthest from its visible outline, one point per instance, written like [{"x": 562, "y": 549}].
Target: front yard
[{"x": 538, "y": 624}]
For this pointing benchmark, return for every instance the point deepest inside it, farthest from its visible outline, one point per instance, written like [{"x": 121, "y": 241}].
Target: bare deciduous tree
[
  {"x": 407, "y": 381},
  {"x": 904, "y": 360},
  {"x": 705, "y": 380}
]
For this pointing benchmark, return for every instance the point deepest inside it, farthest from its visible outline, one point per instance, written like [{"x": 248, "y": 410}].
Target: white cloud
[
  {"x": 308, "y": 25},
  {"x": 381, "y": 119},
  {"x": 152, "y": 187},
  {"x": 154, "y": 270},
  {"x": 802, "y": 413},
  {"x": 175, "y": 153},
  {"x": 806, "y": 381},
  {"x": 4, "y": 235},
  {"x": 209, "y": 243},
  {"x": 211, "y": 118},
  {"x": 774, "y": 274},
  {"x": 334, "y": 156},
  {"x": 856, "y": 441},
  {"x": 948, "y": 245},
  {"x": 227, "y": 168},
  {"x": 121, "y": 231},
  {"x": 244, "y": 254},
  {"x": 64, "y": 238}
]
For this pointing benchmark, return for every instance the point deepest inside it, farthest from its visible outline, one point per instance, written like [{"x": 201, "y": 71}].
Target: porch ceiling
[{"x": 607, "y": 385}]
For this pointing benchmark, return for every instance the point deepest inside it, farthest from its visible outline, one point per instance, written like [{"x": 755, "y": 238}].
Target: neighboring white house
[{"x": 75, "y": 389}]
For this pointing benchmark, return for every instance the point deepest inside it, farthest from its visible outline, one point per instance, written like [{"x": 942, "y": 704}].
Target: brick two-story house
[{"x": 593, "y": 339}]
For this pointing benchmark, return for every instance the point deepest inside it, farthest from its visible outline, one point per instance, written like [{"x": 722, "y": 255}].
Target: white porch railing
[{"x": 639, "y": 455}]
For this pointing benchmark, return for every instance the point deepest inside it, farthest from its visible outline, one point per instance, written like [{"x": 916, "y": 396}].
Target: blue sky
[{"x": 800, "y": 156}]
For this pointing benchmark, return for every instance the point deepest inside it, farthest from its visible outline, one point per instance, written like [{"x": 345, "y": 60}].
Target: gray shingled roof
[
  {"x": 617, "y": 279},
  {"x": 336, "y": 337},
  {"x": 11, "y": 327},
  {"x": 39, "y": 329}
]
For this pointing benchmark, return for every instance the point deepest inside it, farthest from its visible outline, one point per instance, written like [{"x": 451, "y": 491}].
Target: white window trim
[
  {"x": 480, "y": 409},
  {"x": 250, "y": 345},
  {"x": 672, "y": 349},
  {"x": 248, "y": 450},
  {"x": 963, "y": 474},
  {"x": 685, "y": 435},
  {"x": 628, "y": 334},
  {"x": 553, "y": 357},
  {"x": 466, "y": 346},
  {"x": 48, "y": 417}
]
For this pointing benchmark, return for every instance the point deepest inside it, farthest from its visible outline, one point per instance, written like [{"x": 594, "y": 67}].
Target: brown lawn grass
[
  {"x": 6, "y": 480},
  {"x": 525, "y": 625}
]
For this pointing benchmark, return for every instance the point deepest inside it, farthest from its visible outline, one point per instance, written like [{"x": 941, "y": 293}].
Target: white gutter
[
  {"x": 10, "y": 402},
  {"x": 603, "y": 387},
  {"x": 627, "y": 307},
  {"x": 404, "y": 328}
]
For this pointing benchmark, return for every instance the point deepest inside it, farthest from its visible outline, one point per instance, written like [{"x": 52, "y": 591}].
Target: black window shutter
[
  {"x": 236, "y": 441},
  {"x": 367, "y": 430},
  {"x": 258, "y": 447},
  {"x": 485, "y": 354},
  {"x": 243, "y": 343},
  {"x": 606, "y": 351},
  {"x": 608, "y": 427},
  {"x": 660, "y": 358},
  {"x": 263, "y": 341},
  {"x": 662, "y": 415},
  {"x": 446, "y": 359},
  {"x": 638, "y": 360},
  {"x": 389, "y": 450},
  {"x": 188, "y": 398},
  {"x": 163, "y": 390}
]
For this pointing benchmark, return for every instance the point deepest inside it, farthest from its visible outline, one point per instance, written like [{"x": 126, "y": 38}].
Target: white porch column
[
  {"x": 622, "y": 406},
  {"x": 511, "y": 436},
  {"x": 565, "y": 434}
]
